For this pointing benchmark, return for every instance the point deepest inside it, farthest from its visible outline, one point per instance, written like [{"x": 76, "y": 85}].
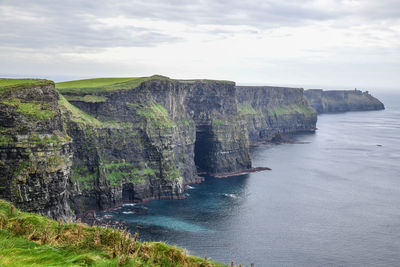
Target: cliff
[
  {"x": 104, "y": 142},
  {"x": 272, "y": 111},
  {"x": 342, "y": 100},
  {"x": 138, "y": 141},
  {"x": 35, "y": 151}
]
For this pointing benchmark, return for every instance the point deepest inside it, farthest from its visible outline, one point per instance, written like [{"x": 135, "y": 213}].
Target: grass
[
  {"x": 116, "y": 178},
  {"x": 116, "y": 165},
  {"x": 34, "y": 139},
  {"x": 218, "y": 122},
  {"x": 6, "y": 139},
  {"x": 79, "y": 116},
  {"x": 28, "y": 239},
  {"x": 85, "y": 178},
  {"x": 208, "y": 81},
  {"x": 291, "y": 109},
  {"x": 15, "y": 84},
  {"x": 103, "y": 84},
  {"x": 245, "y": 109},
  {"x": 32, "y": 110},
  {"x": 155, "y": 114},
  {"x": 118, "y": 173},
  {"x": 76, "y": 114},
  {"x": 87, "y": 98}
]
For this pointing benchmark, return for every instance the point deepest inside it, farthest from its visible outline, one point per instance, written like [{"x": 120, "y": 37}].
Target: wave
[
  {"x": 167, "y": 222},
  {"x": 128, "y": 212},
  {"x": 128, "y": 205},
  {"x": 230, "y": 195},
  {"x": 107, "y": 216}
]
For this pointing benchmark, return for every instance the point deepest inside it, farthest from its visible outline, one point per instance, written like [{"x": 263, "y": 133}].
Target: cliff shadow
[{"x": 203, "y": 148}]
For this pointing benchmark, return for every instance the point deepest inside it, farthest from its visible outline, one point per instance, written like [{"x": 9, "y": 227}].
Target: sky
[{"x": 308, "y": 43}]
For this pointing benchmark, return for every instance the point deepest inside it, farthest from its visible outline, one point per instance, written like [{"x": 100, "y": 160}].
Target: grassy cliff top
[
  {"x": 7, "y": 84},
  {"x": 207, "y": 81},
  {"x": 28, "y": 239},
  {"x": 244, "y": 87},
  {"x": 99, "y": 85}
]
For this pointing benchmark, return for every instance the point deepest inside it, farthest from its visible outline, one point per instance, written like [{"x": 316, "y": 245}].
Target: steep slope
[
  {"x": 272, "y": 111},
  {"x": 342, "y": 100},
  {"x": 35, "y": 154},
  {"x": 121, "y": 140}
]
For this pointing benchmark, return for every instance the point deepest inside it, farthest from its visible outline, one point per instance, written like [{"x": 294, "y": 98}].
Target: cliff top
[
  {"x": 101, "y": 85},
  {"x": 349, "y": 91},
  {"x": 104, "y": 84},
  {"x": 265, "y": 86},
  {"x": 15, "y": 84}
]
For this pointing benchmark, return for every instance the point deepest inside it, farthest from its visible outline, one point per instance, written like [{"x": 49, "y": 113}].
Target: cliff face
[
  {"x": 137, "y": 139},
  {"x": 35, "y": 153},
  {"x": 342, "y": 100},
  {"x": 271, "y": 111},
  {"x": 147, "y": 142}
]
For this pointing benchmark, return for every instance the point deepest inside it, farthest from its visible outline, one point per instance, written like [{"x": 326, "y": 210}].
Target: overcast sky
[{"x": 332, "y": 43}]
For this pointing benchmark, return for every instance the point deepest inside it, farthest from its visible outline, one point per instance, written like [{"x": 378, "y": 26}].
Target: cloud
[
  {"x": 199, "y": 37},
  {"x": 49, "y": 26},
  {"x": 73, "y": 24}
]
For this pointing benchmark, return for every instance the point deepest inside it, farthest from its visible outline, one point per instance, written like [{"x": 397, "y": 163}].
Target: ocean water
[{"x": 331, "y": 200}]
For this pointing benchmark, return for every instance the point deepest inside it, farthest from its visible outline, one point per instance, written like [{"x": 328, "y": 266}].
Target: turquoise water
[{"x": 332, "y": 201}]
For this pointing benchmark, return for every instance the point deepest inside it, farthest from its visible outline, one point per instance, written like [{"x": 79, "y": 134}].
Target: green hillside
[
  {"x": 98, "y": 85},
  {"x": 28, "y": 239}
]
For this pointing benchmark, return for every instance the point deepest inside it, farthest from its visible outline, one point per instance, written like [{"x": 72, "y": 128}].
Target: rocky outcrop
[
  {"x": 342, "y": 100},
  {"x": 35, "y": 153},
  {"x": 270, "y": 112}
]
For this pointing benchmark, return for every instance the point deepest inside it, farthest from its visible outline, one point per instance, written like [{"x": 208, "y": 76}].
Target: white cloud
[{"x": 333, "y": 42}]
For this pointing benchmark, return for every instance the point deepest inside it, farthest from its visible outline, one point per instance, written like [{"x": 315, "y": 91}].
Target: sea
[{"x": 332, "y": 198}]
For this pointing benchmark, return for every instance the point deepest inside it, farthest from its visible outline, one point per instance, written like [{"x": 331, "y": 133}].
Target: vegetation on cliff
[
  {"x": 28, "y": 239},
  {"x": 15, "y": 84},
  {"x": 99, "y": 85},
  {"x": 32, "y": 110},
  {"x": 93, "y": 90},
  {"x": 84, "y": 119},
  {"x": 292, "y": 109},
  {"x": 246, "y": 109}
]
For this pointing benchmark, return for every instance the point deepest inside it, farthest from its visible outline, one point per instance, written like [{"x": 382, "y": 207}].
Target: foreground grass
[{"x": 28, "y": 239}]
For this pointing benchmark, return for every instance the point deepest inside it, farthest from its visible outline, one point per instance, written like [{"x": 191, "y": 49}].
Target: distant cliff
[
  {"x": 272, "y": 111},
  {"x": 342, "y": 100}
]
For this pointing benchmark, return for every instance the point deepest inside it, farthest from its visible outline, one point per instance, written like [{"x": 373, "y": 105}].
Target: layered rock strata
[
  {"x": 146, "y": 142},
  {"x": 35, "y": 151}
]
